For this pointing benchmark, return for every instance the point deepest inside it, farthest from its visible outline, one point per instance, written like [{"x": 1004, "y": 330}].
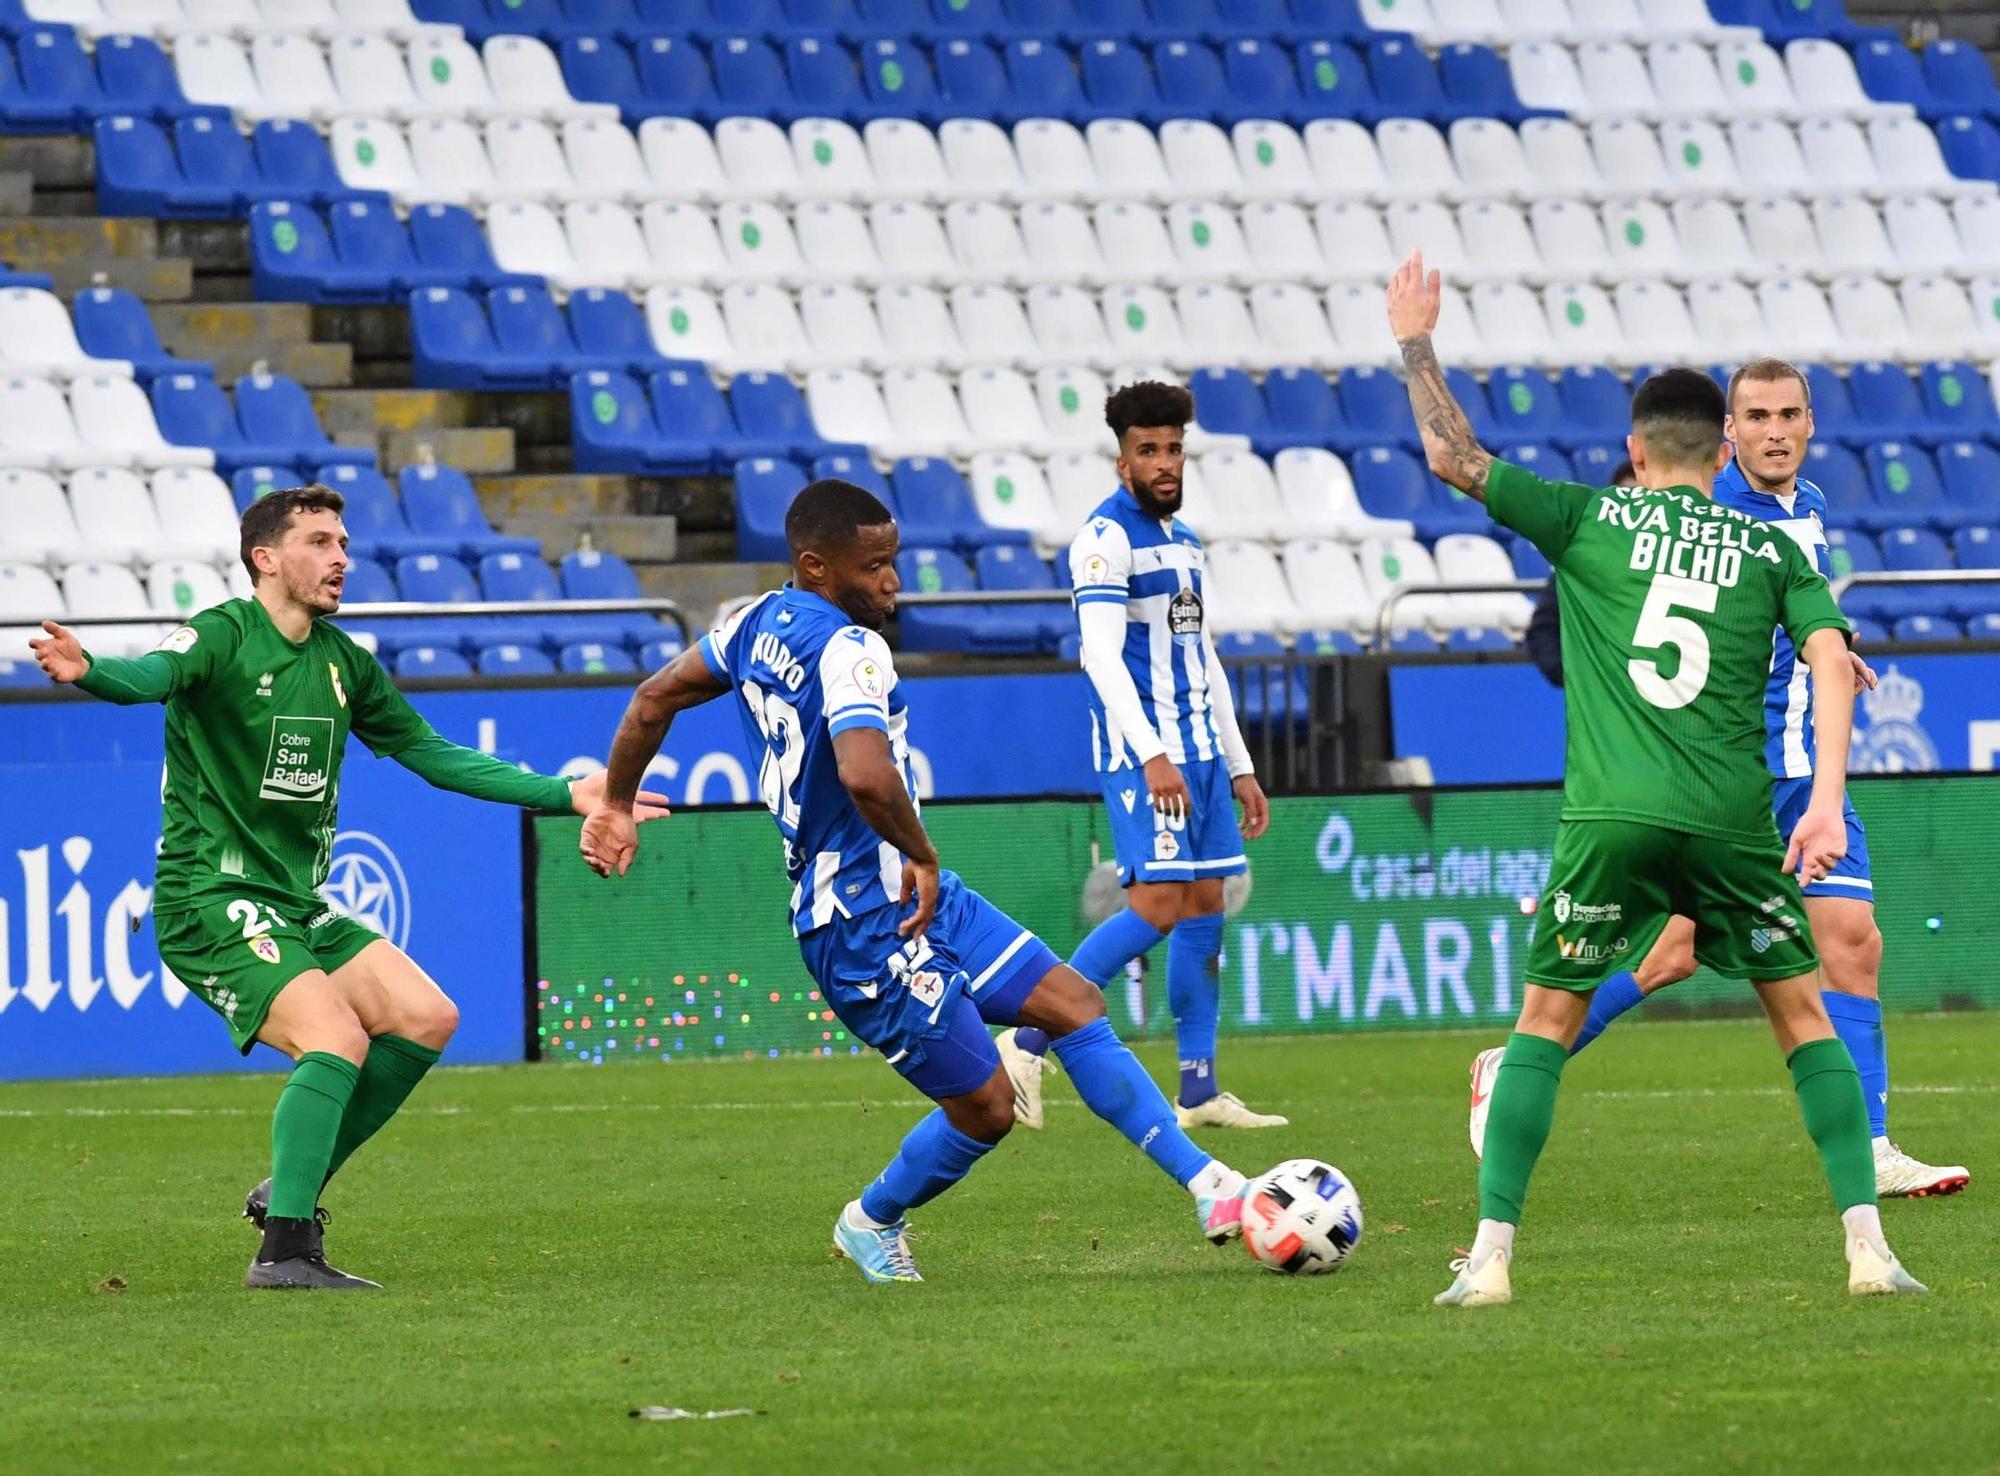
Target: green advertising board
[{"x": 1407, "y": 910}]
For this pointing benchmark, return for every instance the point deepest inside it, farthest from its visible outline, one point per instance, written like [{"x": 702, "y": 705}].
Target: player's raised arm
[
  {"x": 610, "y": 837},
  {"x": 182, "y": 660},
  {"x": 1453, "y": 452}
]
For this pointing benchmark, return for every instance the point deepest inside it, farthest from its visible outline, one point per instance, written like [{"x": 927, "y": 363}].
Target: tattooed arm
[{"x": 1454, "y": 454}]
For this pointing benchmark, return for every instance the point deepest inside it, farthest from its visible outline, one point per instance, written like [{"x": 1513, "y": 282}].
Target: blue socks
[
  {"x": 933, "y": 1157},
  {"x": 1115, "y": 1086},
  {"x": 1858, "y": 1023},
  {"x": 1614, "y": 997},
  {"x": 1100, "y": 958},
  {"x": 1194, "y": 988}
]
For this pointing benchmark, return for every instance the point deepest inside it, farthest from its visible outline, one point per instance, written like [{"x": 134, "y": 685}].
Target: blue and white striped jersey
[
  {"x": 1154, "y": 568},
  {"x": 1788, "y": 699},
  {"x": 802, "y": 672}
]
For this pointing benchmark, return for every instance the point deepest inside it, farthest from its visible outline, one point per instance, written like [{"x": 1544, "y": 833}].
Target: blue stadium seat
[
  {"x": 469, "y": 16},
  {"x": 1887, "y": 406},
  {"x": 1471, "y": 396},
  {"x": 276, "y": 411},
  {"x": 1833, "y": 405},
  {"x": 1375, "y": 408},
  {"x": 1390, "y": 483},
  {"x": 765, "y": 487},
  {"x": 1118, "y": 81},
  {"x": 888, "y": 18},
  {"x": 59, "y": 88},
  {"x": 773, "y": 415},
  {"x": 972, "y": 82},
  {"x": 514, "y": 576},
  {"x": 693, "y": 422},
  {"x": 1266, "y": 692},
  {"x": 248, "y": 483},
  {"x": 1042, "y": 83},
  {"x": 447, "y": 238},
  {"x": 1850, "y": 551},
  {"x": 978, "y": 19},
  {"x": 824, "y": 81},
  {"x": 1838, "y": 473},
  {"x": 1529, "y": 561},
  {"x": 1334, "y": 84},
  {"x": 368, "y": 237},
  {"x": 1523, "y": 404},
  {"x": 1596, "y": 408},
  {"x": 113, "y": 324},
  {"x": 1232, "y": 405},
  {"x": 988, "y": 630},
  {"x": 1906, "y": 486},
  {"x": 600, "y": 69},
  {"x": 431, "y": 661},
  {"x": 1477, "y": 638},
  {"x": 936, "y": 506},
  {"x": 1597, "y": 464},
  {"x": 1261, "y": 80},
  {"x": 1960, "y": 78},
  {"x": 655, "y": 654},
  {"x": 1304, "y": 411},
  {"x": 1403, "y": 73},
  {"x": 1477, "y": 84},
  {"x": 674, "y": 79},
  {"x": 858, "y": 469},
  {"x": 524, "y": 576},
  {"x": 1451, "y": 511},
  {"x": 897, "y": 82},
  {"x": 214, "y": 154},
  {"x": 1413, "y": 643},
  {"x": 612, "y": 430},
  {"x": 193, "y": 410},
  {"x": 609, "y": 328},
  {"x": 1958, "y": 401},
  {"x": 439, "y": 502},
  {"x": 749, "y": 79},
  {"x": 595, "y": 658},
  {"x": 1970, "y": 145},
  {"x": 452, "y": 347},
  {"x": 1913, "y": 549},
  {"x": 1265, "y": 20},
  {"x": 435, "y": 579},
  {"x": 1927, "y": 628},
  {"x": 1971, "y": 474},
  {"x": 1095, "y": 18},
  {"x": 138, "y": 173},
  {"x": 1335, "y": 20},
  {"x": 1889, "y": 73},
  {"x": 592, "y": 574},
  {"x": 1977, "y": 548},
  {"x": 1868, "y": 632},
  {"x": 1327, "y": 643},
  {"x": 1193, "y": 85},
  {"x": 292, "y": 259},
  {"x": 1184, "y": 20},
  {"x": 136, "y": 77},
  {"x": 527, "y": 324},
  {"x": 291, "y": 155},
  {"x": 373, "y": 515},
  {"x": 368, "y": 583},
  {"x": 513, "y": 660},
  {"x": 1008, "y": 566},
  {"x": 1544, "y": 461}
]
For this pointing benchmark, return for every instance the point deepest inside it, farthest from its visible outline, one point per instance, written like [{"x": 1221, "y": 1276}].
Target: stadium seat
[
  {"x": 772, "y": 413},
  {"x": 1838, "y": 472},
  {"x": 37, "y": 337},
  {"x": 439, "y": 503},
  {"x": 373, "y": 156},
  {"x": 59, "y": 88},
  {"x": 292, "y": 259},
  {"x": 137, "y": 78},
  {"x": 431, "y": 661},
  {"x": 367, "y": 236},
  {"x": 1970, "y": 472},
  {"x": 138, "y": 173},
  {"x": 514, "y": 661},
  {"x": 115, "y": 422},
  {"x": 275, "y": 411},
  {"x": 1960, "y": 78},
  {"x": 452, "y": 347},
  {"x": 765, "y": 487},
  {"x": 595, "y": 658},
  {"x": 615, "y": 429},
  {"x": 1958, "y": 401}
]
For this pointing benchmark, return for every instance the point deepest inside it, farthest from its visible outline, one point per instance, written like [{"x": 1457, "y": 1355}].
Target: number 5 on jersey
[{"x": 1659, "y": 626}]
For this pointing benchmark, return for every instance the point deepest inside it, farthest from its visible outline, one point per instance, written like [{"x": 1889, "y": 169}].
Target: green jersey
[
  {"x": 1669, "y": 601},
  {"x": 257, "y": 725}
]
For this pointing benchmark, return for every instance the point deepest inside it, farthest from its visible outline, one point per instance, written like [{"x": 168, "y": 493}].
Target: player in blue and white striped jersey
[
  {"x": 1770, "y": 425},
  {"x": 1169, "y": 756},
  {"x": 824, "y": 716}
]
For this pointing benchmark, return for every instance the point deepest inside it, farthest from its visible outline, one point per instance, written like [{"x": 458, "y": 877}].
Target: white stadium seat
[
  {"x": 1942, "y": 320},
  {"x": 1058, "y": 233},
  {"x": 992, "y": 327},
  {"x": 1615, "y": 81},
  {"x": 1240, "y": 498},
  {"x": 123, "y": 526},
  {"x": 1923, "y": 236},
  {"x": 834, "y": 243},
  {"x": 1713, "y": 241},
  {"x": 184, "y": 587},
  {"x": 292, "y": 76},
  {"x": 1490, "y": 163},
  {"x": 686, "y": 323},
  {"x": 196, "y": 509},
  {"x": 1754, "y": 82},
  {"x": 681, "y": 162},
  {"x": 213, "y": 69},
  {"x": 1584, "y": 327},
  {"x": 1698, "y": 158},
  {"x": 911, "y": 243},
  {"x": 1326, "y": 586},
  {"x": 1208, "y": 244},
  {"x": 1346, "y": 165},
  {"x": 840, "y": 327},
  {"x": 1474, "y": 558},
  {"x": 1078, "y": 482},
  {"x": 1545, "y": 76},
  {"x": 1055, "y": 161},
  {"x": 1823, "y": 73},
  {"x": 907, "y": 164},
  {"x": 1799, "y": 321},
  {"x": 1291, "y": 325},
  {"x": 96, "y": 588},
  {"x": 1001, "y": 413},
  {"x": 1728, "y": 322},
  {"x": 1282, "y": 245},
  {"x": 1507, "y": 313},
  {"x": 1319, "y": 499},
  {"x": 1838, "y": 159},
  {"x": 980, "y": 158},
  {"x": 1201, "y": 161},
  {"x": 1217, "y": 326},
  {"x": 452, "y": 165},
  {"x": 683, "y": 245},
  {"x": 1643, "y": 241},
  {"x": 1135, "y": 238},
  {"x": 1656, "y": 324},
  {"x": 1684, "y": 80},
  {"x": 114, "y": 421},
  {"x": 37, "y": 337},
  {"x": 757, "y": 160},
  {"x": 528, "y": 237},
  {"x": 926, "y": 417},
  {"x": 605, "y": 163},
  {"x": 1271, "y": 159},
  {"x": 1071, "y": 401},
  {"x": 449, "y": 78},
  {"x": 1143, "y": 328},
  {"x": 1852, "y": 238},
  {"x": 832, "y": 161},
  {"x": 529, "y": 163},
  {"x": 527, "y": 80},
  {"x": 758, "y": 241},
  {"x": 1628, "y": 154},
  {"x": 1068, "y": 327},
  {"x": 765, "y": 327},
  {"x": 1559, "y": 154},
  {"x": 1128, "y": 162},
  {"x": 1354, "y": 309},
  {"x": 985, "y": 245},
  {"x": 372, "y": 154},
  {"x": 1782, "y": 234},
  {"x": 372, "y": 79},
  {"x": 1569, "y": 237},
  {"x": 39, "y": 527},
  {"x": 1906, "y": 153},
  {"x": 1247, "y": 590},
  {"x": 1870, "y": 319},
  {"x": 1354, "y": 241},
  {"x": 1418, "y": 161},
  {"x": 1009, "y": 491}
]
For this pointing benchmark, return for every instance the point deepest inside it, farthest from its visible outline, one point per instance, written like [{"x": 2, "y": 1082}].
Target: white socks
[
  {"x": 1494, "y": 1235},
  {"x": 1864, "y": 1224},
  {"x": 857, "y": 1218},
  {"x": 1217, "y": 1181}
]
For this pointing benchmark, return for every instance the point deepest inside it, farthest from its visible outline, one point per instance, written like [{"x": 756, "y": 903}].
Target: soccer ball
[{"x": 1301, "y": 1218}]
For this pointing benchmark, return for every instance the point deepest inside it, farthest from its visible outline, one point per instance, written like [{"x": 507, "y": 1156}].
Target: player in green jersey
[
  {"x": 261, "y": 696},
  {"x": 1668, "y": 603}
]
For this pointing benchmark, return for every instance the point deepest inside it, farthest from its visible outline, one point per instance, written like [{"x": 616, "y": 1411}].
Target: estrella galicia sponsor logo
[
  {"x": 300, "y": 758},
  {"x": 1894, "y": 742},
  {"x": 365, "y": 882}
]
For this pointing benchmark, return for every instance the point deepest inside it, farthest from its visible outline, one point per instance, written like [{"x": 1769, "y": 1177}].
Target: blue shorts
[
  {"x": 1151, "y": 847},
  {"x": 1850, "y": 877},
  {"x": 925, "y": 1003}
]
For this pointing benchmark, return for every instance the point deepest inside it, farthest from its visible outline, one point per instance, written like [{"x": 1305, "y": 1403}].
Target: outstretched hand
[
  {"x": 610, "y": 840},
  {"x": 1818, "y": 842},
  {"x": 1414, "y": 299},
  {"x": 586, "y": 796},
  {"x": 59, "y": 652}
]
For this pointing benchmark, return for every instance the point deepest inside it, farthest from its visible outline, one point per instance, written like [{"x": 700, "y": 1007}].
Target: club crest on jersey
[
  {"x": 1184, "y": 618},
  {"x": 339, "y": 692},
  {"x": 1165, "y": 846},
  {"x": 266, "y": 949}
]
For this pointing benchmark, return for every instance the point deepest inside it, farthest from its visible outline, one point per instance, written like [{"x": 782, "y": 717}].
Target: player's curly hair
[
  {"x": 1678, "y": 414},
  {"x": 1148, "y": 402},
  {"x": 266, "y": 519},
  {"x": 827, "y": 515}
]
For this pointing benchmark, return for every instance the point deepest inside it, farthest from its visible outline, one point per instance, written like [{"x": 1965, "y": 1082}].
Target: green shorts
[
  {"x": 236, "y": 954},
  {"x": 1614, "y": 883}
]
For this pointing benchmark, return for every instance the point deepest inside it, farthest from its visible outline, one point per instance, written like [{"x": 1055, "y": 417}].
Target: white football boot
[
  {"x": 1899, "y": 1176},
  {"x": 1485, "y": 1071},
  {"x": 1484, "y": 1285},
  {"x": 1873, "y": 1273},
  {"x": 1024, "y": 1069},
  {"x": 1226, "y": 1110}
]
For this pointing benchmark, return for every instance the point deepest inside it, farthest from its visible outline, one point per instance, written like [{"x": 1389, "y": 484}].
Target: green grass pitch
[{"x": 563, "y": 1244}]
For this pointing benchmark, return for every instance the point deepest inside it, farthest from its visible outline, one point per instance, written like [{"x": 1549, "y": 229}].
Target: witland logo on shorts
[
  {"x": 300, "y": 759},
  {"x": 1582, "y": 950}
]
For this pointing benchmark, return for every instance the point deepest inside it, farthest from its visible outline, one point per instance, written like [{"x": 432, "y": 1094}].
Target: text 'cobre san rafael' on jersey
[{"x": 803, "y": 672}]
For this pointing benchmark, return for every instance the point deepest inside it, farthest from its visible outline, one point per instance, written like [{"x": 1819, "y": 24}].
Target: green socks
[
  {"x": 1517, "y": 1124},
  {"x": 1836, "y": 1117},
  {"x": 303, "y": 1130},
  {"x": 391, "y": 1072}
]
